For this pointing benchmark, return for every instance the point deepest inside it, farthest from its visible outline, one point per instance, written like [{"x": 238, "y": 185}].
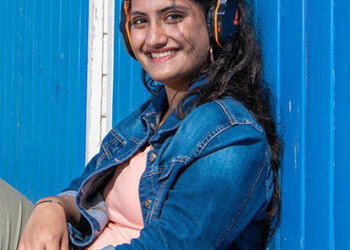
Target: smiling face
[{"x": 169, "y": 39}]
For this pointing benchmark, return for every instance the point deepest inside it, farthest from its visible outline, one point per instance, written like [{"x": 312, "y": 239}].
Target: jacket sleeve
[{"x": 214, "y": 198}]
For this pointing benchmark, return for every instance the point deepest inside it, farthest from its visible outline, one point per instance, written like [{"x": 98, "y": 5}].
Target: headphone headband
[{"x": 222, "y": 23}]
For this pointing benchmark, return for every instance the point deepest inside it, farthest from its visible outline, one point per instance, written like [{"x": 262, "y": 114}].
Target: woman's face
[{"x": 169, "y": 39}]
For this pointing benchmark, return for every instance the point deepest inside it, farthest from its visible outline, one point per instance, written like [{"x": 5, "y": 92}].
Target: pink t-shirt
[{"x": 122, "y": 199}]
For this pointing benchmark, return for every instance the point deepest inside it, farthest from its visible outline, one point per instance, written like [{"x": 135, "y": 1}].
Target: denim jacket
[{"x": 207, "y": 182}]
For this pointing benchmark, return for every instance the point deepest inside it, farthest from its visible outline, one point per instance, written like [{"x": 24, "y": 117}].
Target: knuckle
[{"x": 40, "y": 235}]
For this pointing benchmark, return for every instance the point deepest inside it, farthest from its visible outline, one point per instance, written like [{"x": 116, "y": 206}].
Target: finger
[
  {"x": 21, "y": 246},
  {"x": 64, "y": 242},
  {"x": 37, "y": 246},
  {"x": 55, "y": 246}
]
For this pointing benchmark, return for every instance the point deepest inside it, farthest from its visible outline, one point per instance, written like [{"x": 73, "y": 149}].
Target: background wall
[
  {"x": 43, "y": 69},
  {"x": 306, "y": 53},
  {"x": 306, "y": 46}
]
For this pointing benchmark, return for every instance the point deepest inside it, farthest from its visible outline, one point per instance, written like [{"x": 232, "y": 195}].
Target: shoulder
[
  {"x": 225, "y": 111},
  {"x": 220, "y": 124}
]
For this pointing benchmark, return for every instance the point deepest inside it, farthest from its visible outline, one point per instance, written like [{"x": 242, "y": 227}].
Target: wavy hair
[{"x": 237, "y": 72}]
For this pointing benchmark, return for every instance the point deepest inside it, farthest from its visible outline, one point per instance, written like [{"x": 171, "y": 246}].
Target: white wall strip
[{"x": 100, "y": 74}]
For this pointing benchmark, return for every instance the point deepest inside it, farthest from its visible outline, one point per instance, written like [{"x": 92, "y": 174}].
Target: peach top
[{"x": 122, "y": 199}]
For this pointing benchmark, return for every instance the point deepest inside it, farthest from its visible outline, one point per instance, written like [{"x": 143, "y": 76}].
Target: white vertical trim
[
  {"x": 94, "y": 80},
  {"x": 100, "y": 74},
  {"x": 110, "y": 62}
]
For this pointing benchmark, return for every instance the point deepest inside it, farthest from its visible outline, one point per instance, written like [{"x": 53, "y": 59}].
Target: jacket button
[
  {"x": 153, "y": 157},
  {"x": 148, "y": 204}
]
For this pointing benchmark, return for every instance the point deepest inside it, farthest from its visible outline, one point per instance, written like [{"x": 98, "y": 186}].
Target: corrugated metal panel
[
  {"x": 307, "y": 61},
  {"x": 320, "y": 125},
  {"x": 341, "y": 116},
  {"x": 43, "y": 56}
]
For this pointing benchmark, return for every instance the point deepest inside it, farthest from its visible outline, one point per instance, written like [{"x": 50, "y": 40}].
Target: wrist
[
  {"x": 49, "y": 201},
  {"x": 53, "y": 200}
]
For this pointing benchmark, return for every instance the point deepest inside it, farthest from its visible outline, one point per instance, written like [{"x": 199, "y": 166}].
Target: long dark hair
[{"x": 237, "y": 72}]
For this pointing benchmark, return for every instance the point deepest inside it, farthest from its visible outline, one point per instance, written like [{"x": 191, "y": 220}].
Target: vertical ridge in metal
[{"x": 43, "y": 93}]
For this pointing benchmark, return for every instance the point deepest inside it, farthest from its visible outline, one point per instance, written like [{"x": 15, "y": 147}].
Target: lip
[{"x": 163, "y": 58}]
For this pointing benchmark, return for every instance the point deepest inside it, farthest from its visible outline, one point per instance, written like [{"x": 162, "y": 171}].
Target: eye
[
  {"x": 138, "y": 21},
  {"x": 174, "y": 17}
]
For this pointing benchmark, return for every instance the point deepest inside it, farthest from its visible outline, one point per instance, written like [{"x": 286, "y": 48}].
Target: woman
[{"x": 196, "y": 167}]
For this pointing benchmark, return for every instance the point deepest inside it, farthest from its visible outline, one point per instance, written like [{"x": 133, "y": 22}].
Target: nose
[{"x": 156, "y": 35}]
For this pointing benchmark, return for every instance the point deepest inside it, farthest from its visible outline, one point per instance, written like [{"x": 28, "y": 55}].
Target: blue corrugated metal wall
[
  {"x": 43, "y": 69},
  {"x": 306, "y": 53},
  {"x": 311, "y": 59}
]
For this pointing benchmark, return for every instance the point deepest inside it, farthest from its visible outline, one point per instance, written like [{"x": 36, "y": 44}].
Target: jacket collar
[{"x": 156, "y": 108}]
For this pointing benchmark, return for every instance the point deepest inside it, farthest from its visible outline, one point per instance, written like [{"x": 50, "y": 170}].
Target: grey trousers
[{"x": 15, "y": 210}]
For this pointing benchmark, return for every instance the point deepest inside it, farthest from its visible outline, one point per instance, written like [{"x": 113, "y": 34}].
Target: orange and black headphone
[{"x": 222, "y": 23}]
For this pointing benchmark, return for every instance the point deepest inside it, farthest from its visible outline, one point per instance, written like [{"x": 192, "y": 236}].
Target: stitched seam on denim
[
  {"x": 267, "y": 154},
  {"x": 230, "y": 115},
  {"x": 153, "y": 113},
  {"x": 181, "y": 159},
  {"x": 122, "y": 155},
  {"x": 227, "y": 111},
  {"x": 117, "y": 136},
  {"x": 250, "y": 122},
  {"x": 152, "y": 172},
  {"x": 219, "y": 130},
  {"x": 135, "y": 139},
  {"x": 202, "y": 144},
  {"x": 153, "y": 188},
  {"x": 108, "y": 153},
  {"x": 243, "y": 205},
  {"x": 100, "y": 159},
  {"x": 156, "y": 200},
  {"x": 106, "y": 146}
]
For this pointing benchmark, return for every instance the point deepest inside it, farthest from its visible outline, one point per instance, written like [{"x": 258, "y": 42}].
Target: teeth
[{"x": 166, "y": 53}]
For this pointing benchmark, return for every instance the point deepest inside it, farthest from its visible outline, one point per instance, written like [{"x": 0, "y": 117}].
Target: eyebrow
[{"x": 158, "y": 12}]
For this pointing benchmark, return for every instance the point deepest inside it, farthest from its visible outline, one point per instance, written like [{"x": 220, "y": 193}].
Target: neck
[{"x": 173, "y": 97}]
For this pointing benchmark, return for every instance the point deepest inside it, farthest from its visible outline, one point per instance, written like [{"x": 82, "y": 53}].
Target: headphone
[{"x": 222, "y": 23}]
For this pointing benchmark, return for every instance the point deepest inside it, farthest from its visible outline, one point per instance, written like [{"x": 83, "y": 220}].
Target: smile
[{"x": 162, "y": 54}]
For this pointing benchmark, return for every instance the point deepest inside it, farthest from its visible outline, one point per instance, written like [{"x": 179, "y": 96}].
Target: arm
[{"x": 46, "y": 227}]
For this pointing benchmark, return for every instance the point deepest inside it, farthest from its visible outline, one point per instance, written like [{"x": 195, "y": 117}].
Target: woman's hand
[{"x": 47, "y": 226}]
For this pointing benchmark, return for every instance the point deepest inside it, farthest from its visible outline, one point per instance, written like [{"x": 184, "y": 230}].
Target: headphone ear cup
[
  {"x": 124, "y": 28},
  {"x": 211, "y": 25}
]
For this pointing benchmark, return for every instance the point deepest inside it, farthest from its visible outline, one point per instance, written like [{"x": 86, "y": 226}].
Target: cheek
[
  {"x": 196, "y": 35},
  {"x": 136, "y": 40}
]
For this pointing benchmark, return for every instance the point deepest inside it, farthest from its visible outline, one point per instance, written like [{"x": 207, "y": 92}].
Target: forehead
[{"x": 159, "y": 4}]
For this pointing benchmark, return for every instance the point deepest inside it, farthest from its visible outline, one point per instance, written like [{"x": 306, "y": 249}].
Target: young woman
[{"x": 196, "y": 167}]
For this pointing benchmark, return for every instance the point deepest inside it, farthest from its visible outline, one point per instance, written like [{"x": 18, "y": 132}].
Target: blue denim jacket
[{"x": 207, "y": 182}]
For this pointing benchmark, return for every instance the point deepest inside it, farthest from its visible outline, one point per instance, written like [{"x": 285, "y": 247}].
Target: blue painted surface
[
  {"x": 320, "y": 125},
  {"x": 307, "y": 63},
  {"x": 310, "y": 64},
  {"x": 283, "y": 31},
  {"x": 341, "y": 123},
  {"x": 293, "y": 76},
  {"x": 43, "y": 68}
]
